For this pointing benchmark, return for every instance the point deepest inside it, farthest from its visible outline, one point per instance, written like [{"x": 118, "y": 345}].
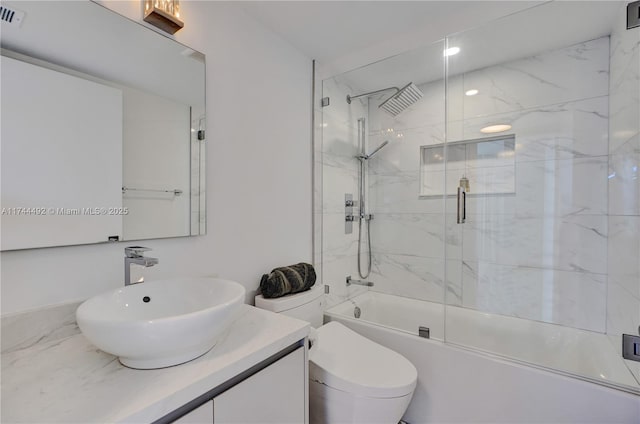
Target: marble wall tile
[
  {"x": 559, "y": 131},
  {"x": 624, "y": 253},
  {"x": 335, "y": 272},
  {"x": 403, "y": 151},
  {"x": 544, "y": 79},
  {"x": 335, "y": 242},
  {"x": 624, "y": 84},
  {"x": 562, "y": 187},
  {"x": 414, "y": 277},
  {"x": 423, "y": 235},
  {"x": 624, "y": 178},
  {"x": 399, "y": 193},
  {"x": 339, "y": 176},
  {"x": 623, "y": 311},
  {"x": 572, "y": 243},
  {"x": 573, "y": 299}
]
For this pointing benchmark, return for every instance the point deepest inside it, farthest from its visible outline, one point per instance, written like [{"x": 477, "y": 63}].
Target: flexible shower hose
[{"x": 363, "y": 218}]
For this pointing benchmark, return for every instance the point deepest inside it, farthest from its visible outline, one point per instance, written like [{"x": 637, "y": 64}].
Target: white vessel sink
[{"x": 157, "y": 324}]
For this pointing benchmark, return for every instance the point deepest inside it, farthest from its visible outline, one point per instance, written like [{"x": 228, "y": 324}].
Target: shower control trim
[{"x": 349, "y": 204}]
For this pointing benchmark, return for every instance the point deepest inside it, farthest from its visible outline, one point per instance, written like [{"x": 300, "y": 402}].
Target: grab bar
[{"x": 175, "y": 192}]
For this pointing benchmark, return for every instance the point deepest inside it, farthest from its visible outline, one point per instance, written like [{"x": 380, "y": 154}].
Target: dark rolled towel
[{"x": 288, "y": 280}]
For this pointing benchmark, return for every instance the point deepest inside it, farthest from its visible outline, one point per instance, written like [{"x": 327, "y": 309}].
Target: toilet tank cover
[{"x": 346, "y": 361}]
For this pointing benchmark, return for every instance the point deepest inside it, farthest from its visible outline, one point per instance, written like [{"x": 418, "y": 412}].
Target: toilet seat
[{"x": 344, "y": 360}]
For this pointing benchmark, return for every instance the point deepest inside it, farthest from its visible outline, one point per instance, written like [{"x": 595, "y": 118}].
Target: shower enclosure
[{"x": 506, "y": 199}]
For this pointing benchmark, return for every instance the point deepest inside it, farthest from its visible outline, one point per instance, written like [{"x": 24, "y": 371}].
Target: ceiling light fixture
[
  {"x": 451, "y": 51},
  {"x": 471, "y": 92},
  {"x": 495, "y": 128}
]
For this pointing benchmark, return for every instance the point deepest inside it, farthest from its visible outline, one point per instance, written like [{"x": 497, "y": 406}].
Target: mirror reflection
[{"x": 103, "y": 134}]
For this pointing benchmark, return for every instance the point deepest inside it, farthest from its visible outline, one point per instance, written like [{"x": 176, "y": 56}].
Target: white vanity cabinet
[{"x": 276, "y": 394}]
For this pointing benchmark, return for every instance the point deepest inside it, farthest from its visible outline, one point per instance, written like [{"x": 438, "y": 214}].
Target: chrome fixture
[
  {"x": 398, "y": 102},
  {"x": 175, "y": 192},
  {"x": 349, "y": 204},
  {"x": 351, "y": 281},
  {"x": 363, "y": 157},
  {"x": 424, "y": 332},
  {"x": 135, "y": 255},
  {"x": 462, "y": 201}
]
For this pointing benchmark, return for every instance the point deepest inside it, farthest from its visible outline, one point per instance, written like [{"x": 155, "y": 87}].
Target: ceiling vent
[{"x": 11, "y": 16}]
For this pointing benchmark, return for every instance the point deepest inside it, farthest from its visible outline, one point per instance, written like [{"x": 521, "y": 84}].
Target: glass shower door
[{"x": 529, "y": 147}]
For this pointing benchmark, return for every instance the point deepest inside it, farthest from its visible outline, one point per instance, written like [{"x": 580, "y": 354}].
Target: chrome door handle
[{"x": 462, "y": 205}]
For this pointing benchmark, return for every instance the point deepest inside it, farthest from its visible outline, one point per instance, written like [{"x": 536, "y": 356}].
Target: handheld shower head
[
  {"x": 370, "y": 155},
  {"x": 384, "y": 143}
]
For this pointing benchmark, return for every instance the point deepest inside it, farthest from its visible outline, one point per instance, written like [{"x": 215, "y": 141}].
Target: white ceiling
[
  {"x": 334, "y": 30},
  {"x": 326, "y": 30}
]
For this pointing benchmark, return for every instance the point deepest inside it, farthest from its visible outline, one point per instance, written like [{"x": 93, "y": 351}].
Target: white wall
[{"x": 258, "y": 172}]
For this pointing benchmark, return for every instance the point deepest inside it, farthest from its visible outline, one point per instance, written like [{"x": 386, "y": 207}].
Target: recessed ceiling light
[
  {"x": 495, "y": 128},
  {"x": 451, "y": 51},
  {"x": 472, "y": 92}
]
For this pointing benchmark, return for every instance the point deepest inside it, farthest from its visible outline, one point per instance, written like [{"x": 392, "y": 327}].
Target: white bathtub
[{"x": 394, "y": 321}]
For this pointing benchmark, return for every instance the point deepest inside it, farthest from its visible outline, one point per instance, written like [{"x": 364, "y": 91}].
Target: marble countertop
[{"x": 70, "y": 380}]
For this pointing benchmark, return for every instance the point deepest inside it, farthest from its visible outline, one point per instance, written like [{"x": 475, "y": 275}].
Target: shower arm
[{"x": 349, "y": 97}]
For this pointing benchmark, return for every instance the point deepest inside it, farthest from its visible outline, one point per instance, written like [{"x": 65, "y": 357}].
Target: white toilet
[{"x": 351, "y": 378}]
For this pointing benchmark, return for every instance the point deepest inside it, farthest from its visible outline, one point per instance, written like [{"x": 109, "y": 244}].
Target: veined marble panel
[
  {"x": 339, "y": 115},
  {"x": 339, "y": 176},
  {"x": 624, "y": 253},
  {"x": 625, "y": 84},
  {"x": 562, "y": 187},
  {"x": 572, "y": 243},
  {"x": 557, "y": 76},
  {"x": 424, "y": 235},
  {"x": 335, "y": 273},
  {"x": 560, "y": 131},
  {"x": 414, "y": 277},
  {"x": 573, "y": 299},
  {"x": 335, "y": 242},
  {"x": 624, "y": 178},
  {"x": 623, "y": 311},
  {"x": 403, "y": 151},
  {"x": 399, "y": 193}
]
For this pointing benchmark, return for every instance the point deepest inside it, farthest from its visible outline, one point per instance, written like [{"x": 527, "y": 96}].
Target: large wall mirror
[{"x": 103, "y": 129}]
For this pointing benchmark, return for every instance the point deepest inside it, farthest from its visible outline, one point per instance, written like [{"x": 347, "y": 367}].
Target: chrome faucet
[
  {"x": 358, "y": 282},
  {"x": 135, "y": 255}
]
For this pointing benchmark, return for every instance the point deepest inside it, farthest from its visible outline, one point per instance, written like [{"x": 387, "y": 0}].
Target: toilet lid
[{"x": 344, "y": 360}]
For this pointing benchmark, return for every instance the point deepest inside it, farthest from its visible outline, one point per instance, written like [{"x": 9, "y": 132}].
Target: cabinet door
[
  {"x": 275, "y": 395},
  {"x": 201, "y": 415}
]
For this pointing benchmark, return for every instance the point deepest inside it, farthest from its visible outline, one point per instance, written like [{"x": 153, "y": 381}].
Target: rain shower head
[
  {"x": 408, "y": 95},
  {"x": 402, "y": 99}
]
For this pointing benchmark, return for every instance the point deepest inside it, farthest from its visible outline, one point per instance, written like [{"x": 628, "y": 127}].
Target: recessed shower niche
[{"x": 485, "y": 166}]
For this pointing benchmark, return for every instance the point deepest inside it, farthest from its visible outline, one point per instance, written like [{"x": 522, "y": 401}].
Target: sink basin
[{"x": 161, "y": 323}]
